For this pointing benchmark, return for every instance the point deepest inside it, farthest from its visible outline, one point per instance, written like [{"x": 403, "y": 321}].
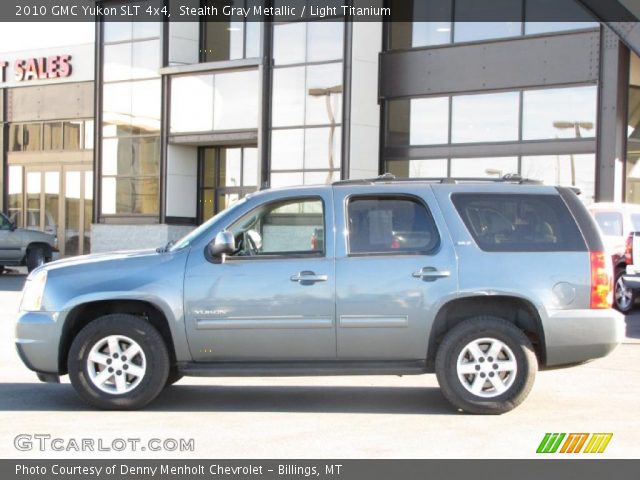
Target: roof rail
[{"x": 389, "y": 177}]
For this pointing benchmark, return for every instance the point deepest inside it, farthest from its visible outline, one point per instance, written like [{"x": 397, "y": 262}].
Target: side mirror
[
  {"x": 224, "y": 244},
  {"x": 13, "y": 227}
]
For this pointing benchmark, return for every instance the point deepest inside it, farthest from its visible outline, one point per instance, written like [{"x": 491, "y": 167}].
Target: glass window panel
[
  {"x": 117, "y": 31},
  {"x": 325, "y": 41},
  {"x": 117, "y": 62},
  {"x": 145, "y": 106},
  {"x": 422, "y": 33},
  {"x": 433, "y": 168},
  {"x": 429, "y": 121},
  {"x": 286, "y": 179},
  {"x": 145, "y": 156},
  {"x": 116, "y": 106},
  {"x": 72, "y": 135},
  {"x": 34, "y": 187},
  {"x": 188, "y": 94},
  {"x": 88, "y": 135},
  {"x": 559, "y": 113},
  {"x": 51, "y": 202},
  {"x": 126, "y": 195},
  {"x": 398, "y": 122},
  {"x": 52, "y": 136},
  {"x": 108, "y": 203},
  {"x": 539, "y": 12},
  {"x": 483, "y": 167},
  {"x": 146, "y": 59},
  {"x": 531, "y": 28},
  {"x": 322, "y": 148},
  {"x": 32, "y": 135},
  {"x": 467, "y": 28},
  {"x": 288, "y": 96},
  {"x": 250, "y": 167},
  {"x": 146, "y": 29},
  {"x": 223, "y": 40},
  {"x": 632, "y": 167},
  {"x": 287, "y": 149},
  {"x": 236, "y": 101},
  {"x": 253, "y": 39},
  {"x": 567, "y": 170},
  {"x": 485, "y": 118},
  {"x": 72, "y": 201},
  {"x": 230, "y": 160},
  {"x": 324, "y": 94},
  {"x": 117, "y": 156},
  {"x": 321, "y": 178},
  {"x": 209, "y": 168},
  {"x": 15, "y": 194},
  {"x": 15, "y": 138},
  {"x": 88, "y": 211},
  {"x": 225, "y": 200},
  {"x": 207, "y": 204},
  {"x": 289, "y": 43}
]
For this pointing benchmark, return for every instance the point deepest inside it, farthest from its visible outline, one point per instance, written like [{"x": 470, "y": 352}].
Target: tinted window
[
  {"x": 610, "y": 223},
  {"x": 280, "y": 228},
  {"x": 390, "y": 225},
  {"x": 519, "y": 223}
]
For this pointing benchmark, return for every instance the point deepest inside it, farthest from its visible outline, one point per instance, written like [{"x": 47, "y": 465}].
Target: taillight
[
  {"x": 600, "y": 281},
  {"x": 628, "y": 250}
]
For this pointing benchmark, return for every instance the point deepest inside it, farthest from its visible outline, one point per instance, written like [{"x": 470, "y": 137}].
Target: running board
[{"x": 301, "y": 369}]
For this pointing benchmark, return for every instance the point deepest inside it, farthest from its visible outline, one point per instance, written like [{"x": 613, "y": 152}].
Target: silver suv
[
  {"x": 19, "y": 246},
  {"x": 479, "y": 282}
]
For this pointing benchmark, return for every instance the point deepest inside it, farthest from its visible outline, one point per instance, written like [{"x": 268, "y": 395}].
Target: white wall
[{"x": 182, "y": 181}]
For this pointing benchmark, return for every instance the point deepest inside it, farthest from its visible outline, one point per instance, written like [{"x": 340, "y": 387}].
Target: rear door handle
[
  {"x": 431, "y": 273},
  {"x": 308, "y": 277}
]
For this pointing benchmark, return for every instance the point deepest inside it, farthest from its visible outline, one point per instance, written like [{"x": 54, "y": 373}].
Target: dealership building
[{"x": 133, "y": 139}]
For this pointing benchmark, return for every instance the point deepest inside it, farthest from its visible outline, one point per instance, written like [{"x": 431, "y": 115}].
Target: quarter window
[
  {"x": 610, "y": 223},
  {"x": 390, "y": 225}
]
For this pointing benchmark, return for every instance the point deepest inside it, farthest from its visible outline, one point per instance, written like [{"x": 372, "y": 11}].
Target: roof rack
[{"x": 389, "y": 177}]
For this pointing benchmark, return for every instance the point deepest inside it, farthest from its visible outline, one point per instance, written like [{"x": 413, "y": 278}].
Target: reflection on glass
[
  {"x": 568, "y": 170},
  {"x": 130, "y": 195},
  {"x": 223, "y": 40},
  {"x": 325, "y": 41},
  {"x": 88, "y": 211},
  {"x": 286, "y": 179},
  {"x": 32, "y": 137},
  {"x": 187, "y": 93},
  {"x": 236, "y": 100},
  {"x": 398, "y": 121},
  {"x": 321, "y": 178},
  {"x": 15, "y": 194},
  {"x": 250, "y": 167},
  {"x": 117, "y": 31},
  {"x": 324, "y": 94},
  {"x": 51, "y": 202},
  {"x": 145, "y": 106},
  {"x": 433, "y": 168},
  {"x": 483, "y": 167},
  {"x": 225, "y": 200},
  {"x": 72, "y": 213},
  {"x": 531, "y": 28},
  {"x": 207, "y": 206},
  {"x": 117, "y": 62},
  {"x": 34, "y": 186},
  {"x": 538, "y": 12},
  {"x": 632, "y": 167},
  {"x": 230, "y": 167},
  {"x": 467, "y": 12},
  {"x": 145, "y": 59},
  {"x": 288, "y": 96},
  {"x": 322, "y": 148},
  {"x": 485, "y": 118},
  {"x": 15, "y": 138},
  {"x": 72, "y": 135},
  {"x": 289, "y": 43},
  {"x": 421, "y": 32},
  {"x": 429, "y": 121},
  {"x": 287, "y": 149},
  {"x": 209, "y": 167},
  {"x": 88, "y": 135},
  {"x": 52, "y": 136},
  {"x": 476, "y": 31},
  {"x": 559, "y": 113},
  {"x": 253, "y": 39}
]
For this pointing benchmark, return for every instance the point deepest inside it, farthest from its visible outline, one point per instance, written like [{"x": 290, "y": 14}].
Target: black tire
[
  {"x": 35, "y": 258},
  {"x": 624, "y": 299},
  {"x": 174, "y": 376},
  {"x": 152, "y": 345},
  {"x": 455, "y": 342}
]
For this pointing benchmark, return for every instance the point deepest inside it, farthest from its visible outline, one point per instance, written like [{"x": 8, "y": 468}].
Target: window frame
[
  {"x": 285, "y": 255},
  {"x": 393, "y": 196}
]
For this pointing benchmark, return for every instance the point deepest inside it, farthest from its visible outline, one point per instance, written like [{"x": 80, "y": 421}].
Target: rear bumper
[{"x": 574, "y": 336}]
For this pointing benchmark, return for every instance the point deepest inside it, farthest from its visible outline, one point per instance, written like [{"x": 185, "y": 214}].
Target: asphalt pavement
[{"x": 315, "y": 417}]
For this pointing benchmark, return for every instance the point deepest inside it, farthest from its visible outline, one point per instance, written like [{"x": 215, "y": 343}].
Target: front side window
[
  {"x": 288, "y": 227},
  {"x": 5, "y": 224},
  {"x": 519, "y": 223},
  {"x": 390, "y": 225}
]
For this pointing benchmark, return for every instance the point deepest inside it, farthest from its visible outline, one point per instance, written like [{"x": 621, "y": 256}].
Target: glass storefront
[{"x": 632, "y": 168}]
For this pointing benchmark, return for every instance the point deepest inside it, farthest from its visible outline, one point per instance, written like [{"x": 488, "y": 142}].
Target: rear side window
[
  {"x": 390, "y": 225},
  {"x": 610, "y": 223},
  {"x": 519, "y": 223}
]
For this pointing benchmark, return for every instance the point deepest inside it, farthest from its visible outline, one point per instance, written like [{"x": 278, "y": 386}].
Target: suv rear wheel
[
  {"x": 624, "y": 298},
  {"x": 118, "y": 362},
  {"x": 35, "y": 258},
  {"x": 486, "y": 365}
]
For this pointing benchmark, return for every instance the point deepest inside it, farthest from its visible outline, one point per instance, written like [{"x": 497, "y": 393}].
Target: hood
[{"x": 97, "y": 258}]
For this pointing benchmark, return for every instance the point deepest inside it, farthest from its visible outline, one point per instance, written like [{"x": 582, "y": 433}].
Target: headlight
[{"x": 33, "y": 292}]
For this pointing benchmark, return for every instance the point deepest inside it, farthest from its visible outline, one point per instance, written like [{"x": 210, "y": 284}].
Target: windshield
[{"x": 192, "y": 236}]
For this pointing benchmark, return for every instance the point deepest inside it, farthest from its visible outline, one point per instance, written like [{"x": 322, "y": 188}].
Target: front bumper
[
  {"x": 574, "y": 336},
  {"x": 37, "y": 337}
]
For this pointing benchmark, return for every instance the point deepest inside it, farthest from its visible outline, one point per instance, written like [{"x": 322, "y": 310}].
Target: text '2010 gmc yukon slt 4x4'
[{"x": 479, "y": 282}]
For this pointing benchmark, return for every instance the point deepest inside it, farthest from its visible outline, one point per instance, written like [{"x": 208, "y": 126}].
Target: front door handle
[
  {"x": 431, "y": 273},
  {"x": 307, "y": 277}
]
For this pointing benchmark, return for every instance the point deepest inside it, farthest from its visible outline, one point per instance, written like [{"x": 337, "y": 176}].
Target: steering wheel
[{"x": 248, "y": 244}]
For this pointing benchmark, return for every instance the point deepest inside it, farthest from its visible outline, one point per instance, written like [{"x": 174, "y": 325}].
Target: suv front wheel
[
  {"x": 118, "y": 362},
  {"x": 486, "y": 365}
]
